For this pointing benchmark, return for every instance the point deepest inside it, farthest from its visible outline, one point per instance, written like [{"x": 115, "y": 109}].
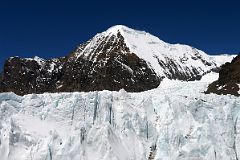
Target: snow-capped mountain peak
[
  {"x": 164, "y": 58},
  {"x": 118, "y": 28},
  {"x": 117, "y": 58}
]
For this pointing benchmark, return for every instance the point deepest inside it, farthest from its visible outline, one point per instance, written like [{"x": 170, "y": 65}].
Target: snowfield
[
  {"x": 222, "y": 58},
  {"x": 176, "y": 121}
]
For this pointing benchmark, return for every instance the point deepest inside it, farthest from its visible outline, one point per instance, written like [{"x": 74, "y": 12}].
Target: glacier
[{"x": 175, "y": 121}]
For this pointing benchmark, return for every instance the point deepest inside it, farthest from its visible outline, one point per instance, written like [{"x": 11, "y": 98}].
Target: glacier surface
[{"x": 176, "y": 121}]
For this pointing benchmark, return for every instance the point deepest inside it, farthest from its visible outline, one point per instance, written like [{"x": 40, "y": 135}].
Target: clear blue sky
[{"x": 50, "y": 28}]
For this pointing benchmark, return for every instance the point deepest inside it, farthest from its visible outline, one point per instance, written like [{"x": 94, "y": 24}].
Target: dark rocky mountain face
[
  {"x": 24, "y": 76},
  {"x": 111, "y": 66},
  {"x": 229, "y": 79}
]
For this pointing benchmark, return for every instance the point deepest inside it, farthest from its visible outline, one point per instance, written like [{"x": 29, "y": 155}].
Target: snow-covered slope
[
  {"x": 172, "y": 122},
  {"x": 222, "y": 58},
  {"x": 174, "y": 61}
]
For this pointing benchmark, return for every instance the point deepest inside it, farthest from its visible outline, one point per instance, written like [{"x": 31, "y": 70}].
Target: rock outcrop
[{"x": 229, "y": 79}]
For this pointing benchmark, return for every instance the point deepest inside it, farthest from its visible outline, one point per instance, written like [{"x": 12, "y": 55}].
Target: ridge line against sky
[{"x": 54, "y": 28}]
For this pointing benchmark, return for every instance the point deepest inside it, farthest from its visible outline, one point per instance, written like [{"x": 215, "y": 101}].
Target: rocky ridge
[{"x": 229, "y": 79}]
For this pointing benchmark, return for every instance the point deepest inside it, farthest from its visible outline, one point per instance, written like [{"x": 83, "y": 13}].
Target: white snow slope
[
  {"x": 222, "y": 58},
  {"x": 172, "y": 122}
]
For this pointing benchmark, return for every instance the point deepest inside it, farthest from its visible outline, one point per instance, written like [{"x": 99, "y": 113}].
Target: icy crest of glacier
[{"x": 174, "y": 122}]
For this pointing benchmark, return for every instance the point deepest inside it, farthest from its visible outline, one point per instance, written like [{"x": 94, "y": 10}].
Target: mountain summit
[{"x": 119, "y": 57}]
